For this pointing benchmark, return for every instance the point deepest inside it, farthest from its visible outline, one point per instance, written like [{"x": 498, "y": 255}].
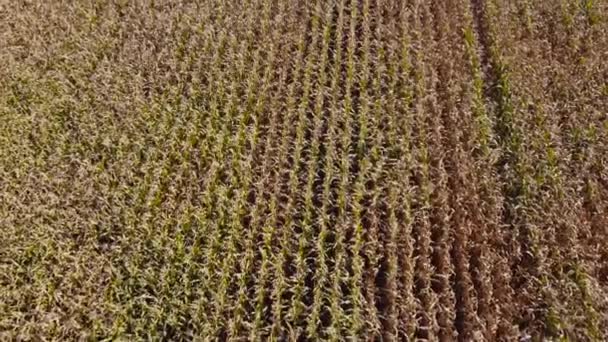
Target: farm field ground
[{"x": 304, "y": 170}]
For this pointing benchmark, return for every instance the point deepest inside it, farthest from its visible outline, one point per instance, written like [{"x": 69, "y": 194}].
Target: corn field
[{"x": 265, "y": 170}]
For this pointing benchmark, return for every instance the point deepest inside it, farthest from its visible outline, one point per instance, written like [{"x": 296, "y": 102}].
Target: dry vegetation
[{"x": 291, "y": 170}]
